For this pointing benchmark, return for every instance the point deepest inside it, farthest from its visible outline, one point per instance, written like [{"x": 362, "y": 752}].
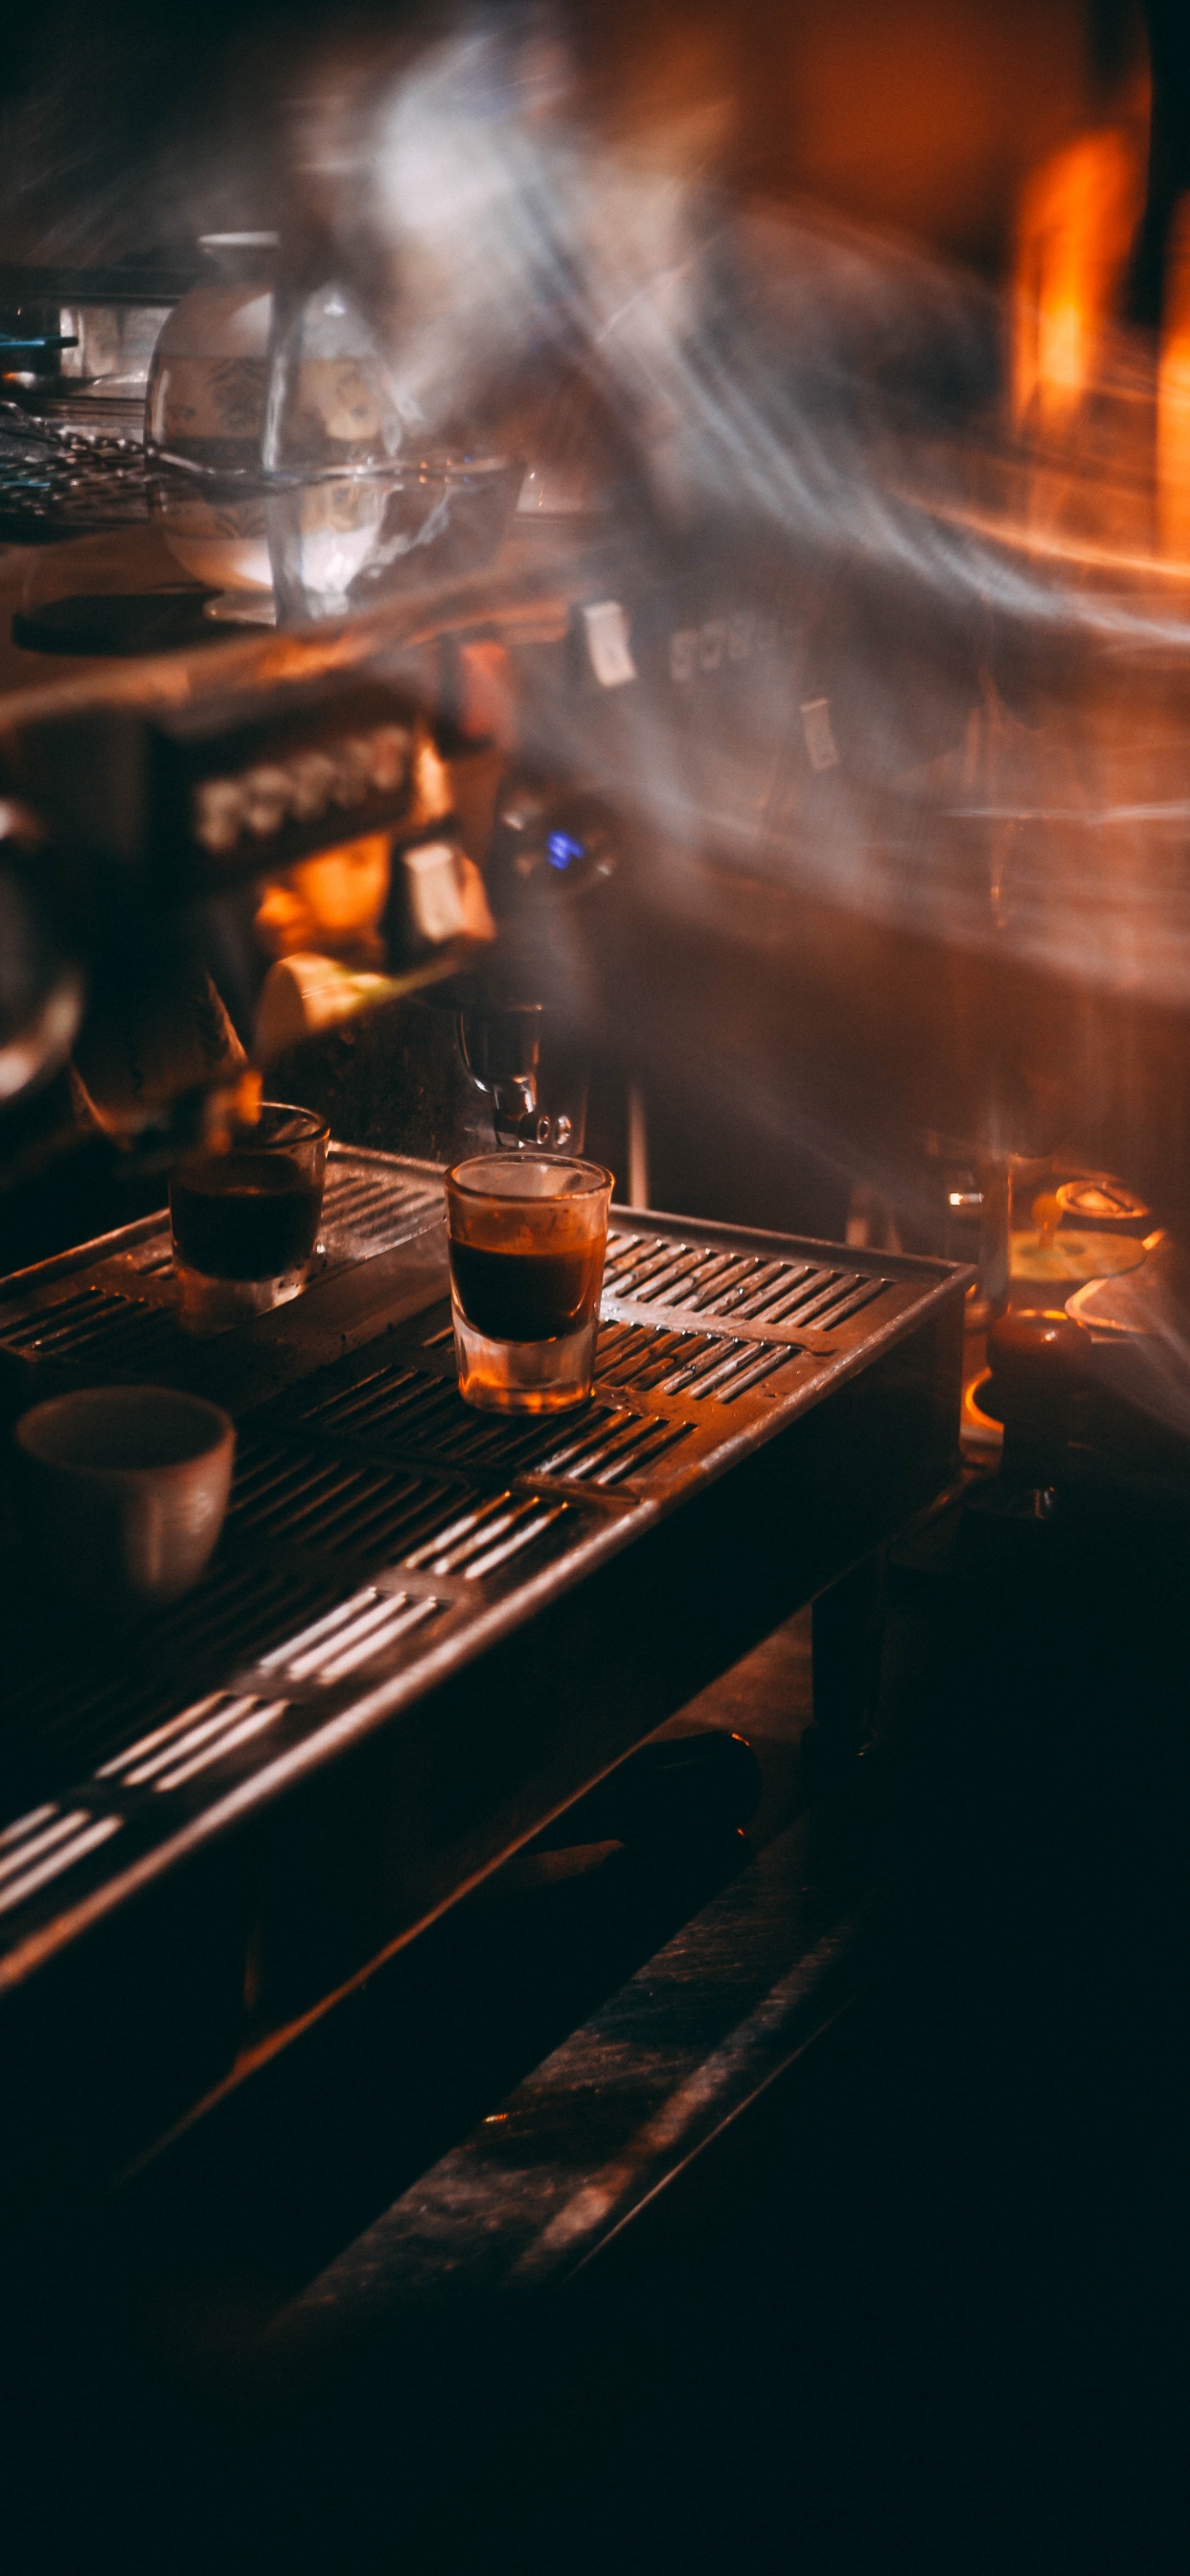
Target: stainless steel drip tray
[{"x": 427, "y": 1629}]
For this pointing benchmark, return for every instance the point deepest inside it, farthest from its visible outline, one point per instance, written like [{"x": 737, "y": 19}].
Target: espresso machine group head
[
  {"x": 553, "y": 852},
  {"x": 132, "y": 817}
]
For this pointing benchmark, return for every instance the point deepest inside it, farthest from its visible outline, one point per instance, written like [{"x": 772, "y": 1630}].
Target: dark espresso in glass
[
  {"x": 526, "y": 1296},
  {"x": 244, "y": 1215},
  {"x": 527, "y": 1234}
]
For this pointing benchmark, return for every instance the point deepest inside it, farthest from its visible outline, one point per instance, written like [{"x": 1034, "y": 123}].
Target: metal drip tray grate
[
  {"x": 678, "y": 1363},
  {"x": 363, "y": 1212},
  {"x": 193, "y": 1741},
  {"x": 399, "y": 1406},
  {"x": 351, "y": 1637},
  {"x": 97, "y": 1330},
  {"x": 785, "y": 1296},
  {"x": 339, "y": 1505},
  {"x": 44, "y": 1843},
  {"x": 365, "y": 1204},
  {"x": 75, "y": 1703},
  {"x": 119, "y": 1321},
  {"x": 331, "y": 1504},
  {"x": 387, "y": 1546}
]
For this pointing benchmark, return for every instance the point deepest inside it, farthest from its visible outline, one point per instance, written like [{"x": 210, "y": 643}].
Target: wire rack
[{"x": 66, "y": 481}]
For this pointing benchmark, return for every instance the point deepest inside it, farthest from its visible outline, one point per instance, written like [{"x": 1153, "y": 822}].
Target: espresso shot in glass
[
  {"x": 528, "y": 1234},
  {"x": 245, "y": 1220}
]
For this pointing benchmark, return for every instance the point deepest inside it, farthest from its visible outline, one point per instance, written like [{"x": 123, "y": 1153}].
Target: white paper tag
[
  {"x": 608, "y": 644},
  {"x": 435, "y": 895}
]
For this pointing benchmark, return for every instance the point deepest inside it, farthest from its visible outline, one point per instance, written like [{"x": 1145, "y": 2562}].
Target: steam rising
[
  {"x": 899, "y": 662},
  {"x": 806, "y": 418}
]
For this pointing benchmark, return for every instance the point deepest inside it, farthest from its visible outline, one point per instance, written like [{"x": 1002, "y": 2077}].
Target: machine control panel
[{"x": 184, "y": 798}]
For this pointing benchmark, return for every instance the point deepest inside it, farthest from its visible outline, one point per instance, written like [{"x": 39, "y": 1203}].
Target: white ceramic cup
[{"x": 125, "y": 1490}]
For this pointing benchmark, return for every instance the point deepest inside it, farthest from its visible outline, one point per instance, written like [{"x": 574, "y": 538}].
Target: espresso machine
[
  {"x": 216, "y": 1825},
  {"x": 128, "y": 826},
  {"x": 217, "y": 1829},
  {"x": 431, "y": 1642}
]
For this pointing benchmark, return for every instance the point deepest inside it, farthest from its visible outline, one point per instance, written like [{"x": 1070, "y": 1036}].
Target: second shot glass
[
  {"x": 245, "y": 1222},
  {"x": 528, "y": 1235}
]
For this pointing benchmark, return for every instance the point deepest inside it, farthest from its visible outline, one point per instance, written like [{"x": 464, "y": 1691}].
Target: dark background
[
  {"x": 933, "y": 2322},
  {"x": 126, "y": 124}
]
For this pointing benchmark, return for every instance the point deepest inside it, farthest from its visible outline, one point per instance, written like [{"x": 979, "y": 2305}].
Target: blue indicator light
[{"x": 561, "y": 851}]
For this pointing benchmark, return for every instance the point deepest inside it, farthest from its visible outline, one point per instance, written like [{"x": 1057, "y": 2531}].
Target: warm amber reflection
[
  {"x": 331, "y": 905},
  {"x": 1078, "y": 219},
  {"x": 1173, "y": 394}
]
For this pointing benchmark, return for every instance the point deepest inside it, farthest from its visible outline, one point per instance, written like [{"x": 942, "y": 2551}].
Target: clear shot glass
[
  {"x": 528, "y": 1235},
  {"x": 245, "y": 1222}
]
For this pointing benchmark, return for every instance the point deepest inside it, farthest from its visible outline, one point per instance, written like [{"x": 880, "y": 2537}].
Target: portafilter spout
[{"x": 500, "y": 1045}]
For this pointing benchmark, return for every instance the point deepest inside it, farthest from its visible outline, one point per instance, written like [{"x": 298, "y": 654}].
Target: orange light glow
[
  {"x": 1078, "y": 217},
  {"x": 1173, "y": 394},
  {"x": 332, "y": 904}
]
